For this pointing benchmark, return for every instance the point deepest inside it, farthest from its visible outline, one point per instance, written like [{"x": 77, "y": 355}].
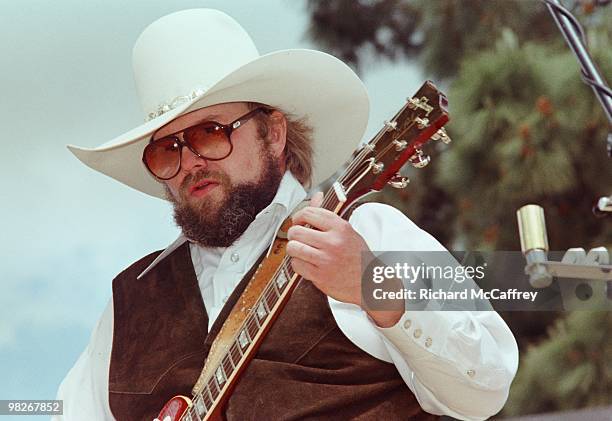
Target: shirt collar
[{"x": 289, "y": 194}]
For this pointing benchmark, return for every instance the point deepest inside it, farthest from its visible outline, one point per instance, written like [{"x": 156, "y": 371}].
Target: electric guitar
[{"x": 371, "y": 168}]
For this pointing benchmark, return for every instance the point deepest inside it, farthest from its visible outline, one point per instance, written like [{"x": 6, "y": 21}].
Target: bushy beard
[{"x": 221, "y": 227}]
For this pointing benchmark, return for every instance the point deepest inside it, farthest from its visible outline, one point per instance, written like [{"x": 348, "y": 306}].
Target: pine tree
[
  {"x": 525, "y": 130},
  {"x": 570, "y": 369},
  {"x": 528, "y": 131}
]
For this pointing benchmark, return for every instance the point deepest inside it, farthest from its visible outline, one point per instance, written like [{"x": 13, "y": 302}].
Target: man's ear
[{"x": 277, "y": 132}]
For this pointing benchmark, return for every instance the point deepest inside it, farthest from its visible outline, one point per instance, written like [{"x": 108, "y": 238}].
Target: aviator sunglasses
[{"x": 208, "y": 140}]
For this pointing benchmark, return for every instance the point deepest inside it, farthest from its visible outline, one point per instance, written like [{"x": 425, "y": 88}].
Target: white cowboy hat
[{"x": 200, "y": 57}]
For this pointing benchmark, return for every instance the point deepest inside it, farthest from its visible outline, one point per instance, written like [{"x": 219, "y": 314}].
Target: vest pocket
[{"x": 139, "y": 382}]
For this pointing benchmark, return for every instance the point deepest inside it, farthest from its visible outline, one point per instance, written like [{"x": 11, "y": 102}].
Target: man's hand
[{"x": 328, "y": 253}]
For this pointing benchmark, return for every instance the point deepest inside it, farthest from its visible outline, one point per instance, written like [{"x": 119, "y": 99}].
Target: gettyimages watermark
[{"x": 471, "y": 281}]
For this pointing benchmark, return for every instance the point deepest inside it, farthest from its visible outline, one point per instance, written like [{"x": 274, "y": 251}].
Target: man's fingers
[
  {"x": 317, "y": 199},
  {"x": 304, "y": 269},
  {"x": 319, "y": 218},
  {"x": 306, "y": 235},
  {"x": 303, "y": 252}
]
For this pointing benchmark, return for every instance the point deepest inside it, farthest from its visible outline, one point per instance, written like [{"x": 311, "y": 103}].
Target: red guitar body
[{"x": 177, "y": 407}]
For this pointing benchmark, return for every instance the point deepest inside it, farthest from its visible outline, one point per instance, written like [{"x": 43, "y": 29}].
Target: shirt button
[
  {"x": 417, "y": 333},
  {"x": 428, "y": 342},
  {"x": 471, "y": 373},
  {"x": 407, "y": 324},
  {"x": 235, "y": 257}
]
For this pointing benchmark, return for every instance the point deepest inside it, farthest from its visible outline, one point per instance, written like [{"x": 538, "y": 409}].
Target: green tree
[
  {"x": 528, "y": 131},
  {"x": 525, "y": 130},
  {"x": 439, "y": 33},
  {"x": 576, "y": 359}
]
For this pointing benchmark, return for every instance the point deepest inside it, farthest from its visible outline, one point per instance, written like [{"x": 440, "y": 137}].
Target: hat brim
[{"x": 304, "y": 83}]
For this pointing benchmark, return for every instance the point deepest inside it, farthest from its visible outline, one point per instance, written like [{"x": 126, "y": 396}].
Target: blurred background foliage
[
  {"x": 526, "y": 130},
  {"x": 571, "y": 369}
]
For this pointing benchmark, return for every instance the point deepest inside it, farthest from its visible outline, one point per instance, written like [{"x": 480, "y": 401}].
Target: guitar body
[{"x": 177, "y": 407}]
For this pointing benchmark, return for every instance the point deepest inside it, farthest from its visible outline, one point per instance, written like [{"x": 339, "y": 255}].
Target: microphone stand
[
  {"x": 574, "y": 36},
  {"x": 591, "y": 268}
]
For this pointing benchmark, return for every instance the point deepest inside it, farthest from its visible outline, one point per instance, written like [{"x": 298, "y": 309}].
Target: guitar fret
[
  {"x": 227, "y": 367},
  {"x": 265, "y": 300},
  {"x": 195, "y": 416},
  {"x": 270, "y": 298},
  {"x": 277, "y": 292},
  {"x": 216, "y": 391},
  {"x": 250, "y": 325},
  {"x": 256, "y": 319},
  {"x": 237, "y": 346},
  {"x": 288, "y": 272},
  {"x": 270, "y": 303},
  {"x": 230, "y": 357},
  {"x": 208, "y": 398}
]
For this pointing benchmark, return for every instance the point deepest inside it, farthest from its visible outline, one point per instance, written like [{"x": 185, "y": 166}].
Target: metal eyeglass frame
[{"x": 181, "y": 142}]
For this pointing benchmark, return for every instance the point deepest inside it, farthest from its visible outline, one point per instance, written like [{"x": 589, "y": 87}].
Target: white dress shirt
[{"x": 457, "y": 363}]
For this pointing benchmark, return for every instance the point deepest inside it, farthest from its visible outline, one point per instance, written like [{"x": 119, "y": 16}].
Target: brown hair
[{"x": 299, "y": 145}]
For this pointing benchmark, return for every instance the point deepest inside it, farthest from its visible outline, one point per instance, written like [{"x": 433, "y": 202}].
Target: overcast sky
[{"x": 67, "y": 231}]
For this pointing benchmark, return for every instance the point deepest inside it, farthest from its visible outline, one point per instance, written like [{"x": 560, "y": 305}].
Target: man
[{"x": 233, "y": 141}]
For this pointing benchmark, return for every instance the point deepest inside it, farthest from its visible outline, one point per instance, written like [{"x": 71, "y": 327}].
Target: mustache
[{"x": 192, "y": 178}]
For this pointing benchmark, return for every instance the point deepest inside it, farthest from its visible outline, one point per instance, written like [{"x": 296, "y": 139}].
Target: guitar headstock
[{"x": 401, "y": 140}]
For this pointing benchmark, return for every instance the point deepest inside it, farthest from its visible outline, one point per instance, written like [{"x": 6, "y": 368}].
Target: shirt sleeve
[
  {"x": 85, "y": 388},
  {"x": 457, "y": 363}
]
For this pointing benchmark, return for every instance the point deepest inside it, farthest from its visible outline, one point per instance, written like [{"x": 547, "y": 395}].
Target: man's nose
[{"x": 189, "y": 160}]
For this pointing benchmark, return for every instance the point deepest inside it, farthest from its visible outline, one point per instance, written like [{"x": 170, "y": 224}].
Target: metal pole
[{"x": 574, "y": 40}]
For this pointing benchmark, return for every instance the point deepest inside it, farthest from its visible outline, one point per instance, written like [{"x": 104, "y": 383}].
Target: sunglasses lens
[
  {"x": 209, "y": 140},
  {"x": 163, "y": 157}
]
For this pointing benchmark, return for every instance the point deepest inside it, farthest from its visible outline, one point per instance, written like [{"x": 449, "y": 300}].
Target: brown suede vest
[{"x": 305, "y": 369}]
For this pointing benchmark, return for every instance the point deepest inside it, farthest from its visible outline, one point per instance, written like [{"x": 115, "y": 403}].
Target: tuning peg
[
  {"x": 400, "y": 145},
  {"x": 441, "y": 135},
  {"x": 390, "y": 125},
  {"x": 398, "y": 181},
  {"x": 419, "y": 160},
  {"x": 413, "y": 103},
  {"x": 422, "y": 103},
  {"x": 421, "y": 122},
  {"x": 378, "y": 167}
]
